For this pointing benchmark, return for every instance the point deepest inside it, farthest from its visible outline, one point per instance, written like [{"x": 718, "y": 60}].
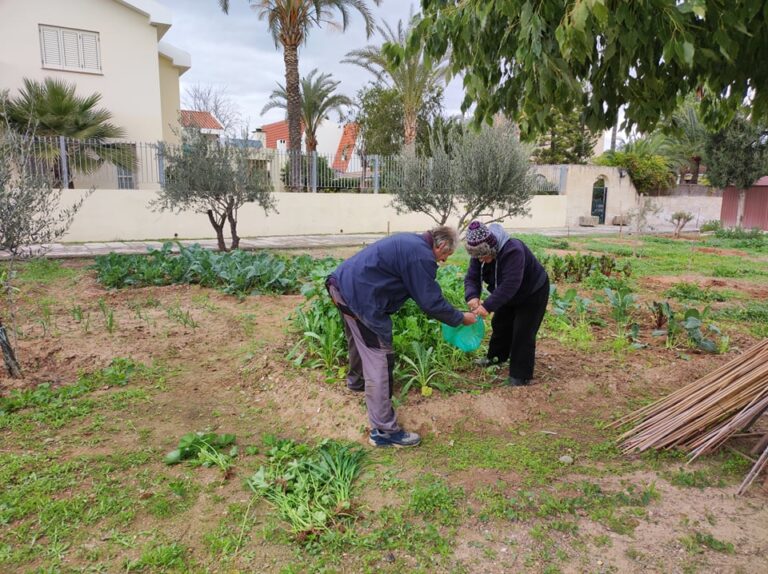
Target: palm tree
[
  {"x": 689, "y": 136},
  {"x": 51, "y": 108},
  {"x": 290, "y": 21},
  {"x": 414, "y": 77},
  {"x": 317, "y": 101}
]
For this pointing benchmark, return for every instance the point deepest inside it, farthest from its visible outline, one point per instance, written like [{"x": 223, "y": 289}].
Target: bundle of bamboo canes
[{"x": 701, "y": 416}]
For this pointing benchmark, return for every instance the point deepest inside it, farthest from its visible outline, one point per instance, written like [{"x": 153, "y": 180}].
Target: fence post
[
  {"x": 376, "y": 173},
  {"x": 63, "y": 162},
  {"x": 313, "y": 171},
  {"x": 160, "y": 164}
]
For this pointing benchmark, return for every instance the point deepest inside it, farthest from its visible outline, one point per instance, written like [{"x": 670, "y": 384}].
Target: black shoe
[
  {"x": 486, "y": 362},
  {"x": 515, "y": 382},
  {"x": 357, "y": 388}
]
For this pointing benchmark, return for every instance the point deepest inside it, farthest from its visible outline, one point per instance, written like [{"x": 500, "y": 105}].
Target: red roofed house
[
  {"x": 206, "y": 122},
  {"x": 346, "y": 148},
  {"x": 746, "y": 208},
  {"x": 276, "y": 135}
]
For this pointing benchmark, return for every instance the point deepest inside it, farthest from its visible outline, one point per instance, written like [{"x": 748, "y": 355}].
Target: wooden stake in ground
[{"x": 9, "y": 357}]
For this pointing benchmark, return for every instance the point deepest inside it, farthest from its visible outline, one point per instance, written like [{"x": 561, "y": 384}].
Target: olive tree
[
  {"x": 209, "y": 177},
  {"x": 31, "y": 217},
  {"x": 476, "y": 172}
]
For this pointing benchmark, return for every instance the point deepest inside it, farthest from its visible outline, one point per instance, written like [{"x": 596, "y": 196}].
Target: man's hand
[
  {"x": 469, "y": 319},
  {"x": 480, "y": 311},
  {"x": 473, "y": 303}
]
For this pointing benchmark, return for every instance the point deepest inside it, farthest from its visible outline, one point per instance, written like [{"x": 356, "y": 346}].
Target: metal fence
[{"x": 132, "y": 165}]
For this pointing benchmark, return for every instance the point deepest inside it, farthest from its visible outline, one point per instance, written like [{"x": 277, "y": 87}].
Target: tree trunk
[
  {"x": 293, "y": 94},
  {"x": 232, "y": 218},
  {"x": 696, "y": 168},
  {"x": 219, "y": 227},
  {"x": 614, "y": 133},
  {"x": 9, "y": 357},
  {"x": 311, "y": 143},
  {"x": 410, "y": 122}
]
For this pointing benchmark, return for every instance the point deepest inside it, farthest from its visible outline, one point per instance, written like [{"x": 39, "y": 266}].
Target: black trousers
[{"x": 514, "y": 332}]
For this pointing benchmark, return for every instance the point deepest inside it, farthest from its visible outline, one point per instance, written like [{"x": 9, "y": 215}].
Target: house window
[
  {"x": 125, "y": 179},
  {"x": 68, "y": 49}
]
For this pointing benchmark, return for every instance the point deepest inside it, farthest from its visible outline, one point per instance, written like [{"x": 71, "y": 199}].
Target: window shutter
[
  {"x": 70, "y": 42},
  {"x": 49, "y": 47},
  {"x": 89, "y": 42}
]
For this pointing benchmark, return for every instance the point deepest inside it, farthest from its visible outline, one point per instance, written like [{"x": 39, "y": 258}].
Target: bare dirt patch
[{"x": 228, "y": 371}]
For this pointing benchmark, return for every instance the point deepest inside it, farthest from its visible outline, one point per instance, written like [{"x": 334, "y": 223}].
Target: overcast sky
[{"x": 236, "y": 52}]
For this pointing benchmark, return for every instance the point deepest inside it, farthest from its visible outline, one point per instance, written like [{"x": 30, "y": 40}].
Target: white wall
[
  {"x": 129, "y": 82},
  {"x": 703, "y": 209},
  {"x": 110, "y": 215},
  {"x": 621, "y": 196},
  {"x": 328, "y": 138}
]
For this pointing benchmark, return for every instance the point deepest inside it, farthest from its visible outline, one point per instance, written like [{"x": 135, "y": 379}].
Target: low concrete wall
[
  {"x": 113, "y": 215},
  {"x": 702, "y": 208}
]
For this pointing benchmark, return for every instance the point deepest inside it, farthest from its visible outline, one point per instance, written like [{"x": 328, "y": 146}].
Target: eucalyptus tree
[
  {"x": 318, "y": 99},
  {"x": 522, "y": 57},
  {"x": 415, "y": 76},
  {"x": 289, "y": 22}
]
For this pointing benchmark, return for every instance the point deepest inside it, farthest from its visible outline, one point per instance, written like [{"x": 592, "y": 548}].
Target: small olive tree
[
  {"x": 207, "y": 176},
  {"x": 31, "y": 217},
  {"x": 680, "y": 219},
  {"x": 474, "y": 173}
]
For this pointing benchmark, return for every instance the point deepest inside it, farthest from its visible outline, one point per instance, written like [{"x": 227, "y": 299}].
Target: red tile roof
[
  {"x": 200, "y": 120},
  {"x": 346, "y": 148}
]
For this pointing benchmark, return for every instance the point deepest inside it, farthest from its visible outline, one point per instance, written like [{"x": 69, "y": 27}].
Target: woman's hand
[
  {"x": 469, "y": 319},
  {"x": 473, "y": 304},
  {"x": 480, "y": 311}
]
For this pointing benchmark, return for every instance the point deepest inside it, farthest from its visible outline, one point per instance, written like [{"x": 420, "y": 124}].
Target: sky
[{"x": 236, "y": 52}]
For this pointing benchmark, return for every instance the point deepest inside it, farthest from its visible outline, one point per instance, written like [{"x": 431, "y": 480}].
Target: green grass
[
  {"x": 44, "y": 271},
  {"x": 535, "y": 457},
  {"x": 697, "y": 542},
  {"x": 619, "y": 511}
]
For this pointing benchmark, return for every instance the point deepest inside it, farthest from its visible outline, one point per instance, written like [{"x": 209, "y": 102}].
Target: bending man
[{"x": 369, "y": 287}]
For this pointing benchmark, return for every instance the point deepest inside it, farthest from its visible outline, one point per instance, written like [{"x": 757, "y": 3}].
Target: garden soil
[{"x": 232, "y": 373}]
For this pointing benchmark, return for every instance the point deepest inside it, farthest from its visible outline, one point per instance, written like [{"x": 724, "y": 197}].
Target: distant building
[
  {"x": 113, "y": 47},
  {"x": 205, "y": 122}
]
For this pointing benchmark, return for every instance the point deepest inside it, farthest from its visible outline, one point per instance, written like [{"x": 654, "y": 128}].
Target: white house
[{"x": 113, "y": 47}]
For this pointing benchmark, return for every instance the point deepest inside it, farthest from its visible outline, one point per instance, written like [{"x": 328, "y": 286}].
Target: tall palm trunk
[
  {"x": 311, "y": 142},
  {"x": 410, "y": 123},
  {"x": 291, "y": 59}
]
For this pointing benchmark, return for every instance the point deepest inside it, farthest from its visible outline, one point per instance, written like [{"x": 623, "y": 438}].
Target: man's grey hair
[
  {"x": 445, "y": 236},
  {"x": 481, "y": 250}
]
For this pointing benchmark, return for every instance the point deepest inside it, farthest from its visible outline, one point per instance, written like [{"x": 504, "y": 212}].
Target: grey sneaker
[{"x": 399, "y": 438}]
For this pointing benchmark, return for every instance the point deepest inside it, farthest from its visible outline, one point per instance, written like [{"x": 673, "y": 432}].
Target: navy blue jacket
[
  {"x": 511, "y": 277},
  {"x": 378, "y": 280}
]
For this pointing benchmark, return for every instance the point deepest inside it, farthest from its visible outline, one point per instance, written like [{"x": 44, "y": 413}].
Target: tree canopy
[
  {"x": 479, "y": 172},
  {"x": 318, "y": 100},
  {"x": 738, "y": 154},
  {"x": 567, "y": 141},
  {"x": 378, "y": 111},
  {"x": 522, "y": 57}
]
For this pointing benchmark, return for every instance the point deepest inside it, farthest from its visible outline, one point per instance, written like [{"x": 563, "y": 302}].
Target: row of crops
[{"x": 593, "y": 301}]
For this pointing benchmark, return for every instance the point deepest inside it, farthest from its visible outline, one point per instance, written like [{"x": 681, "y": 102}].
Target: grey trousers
[{"x": 371, "y": 362}]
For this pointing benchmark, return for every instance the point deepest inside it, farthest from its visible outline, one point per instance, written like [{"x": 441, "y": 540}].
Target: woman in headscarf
[{"x": 519, "y": 292}]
